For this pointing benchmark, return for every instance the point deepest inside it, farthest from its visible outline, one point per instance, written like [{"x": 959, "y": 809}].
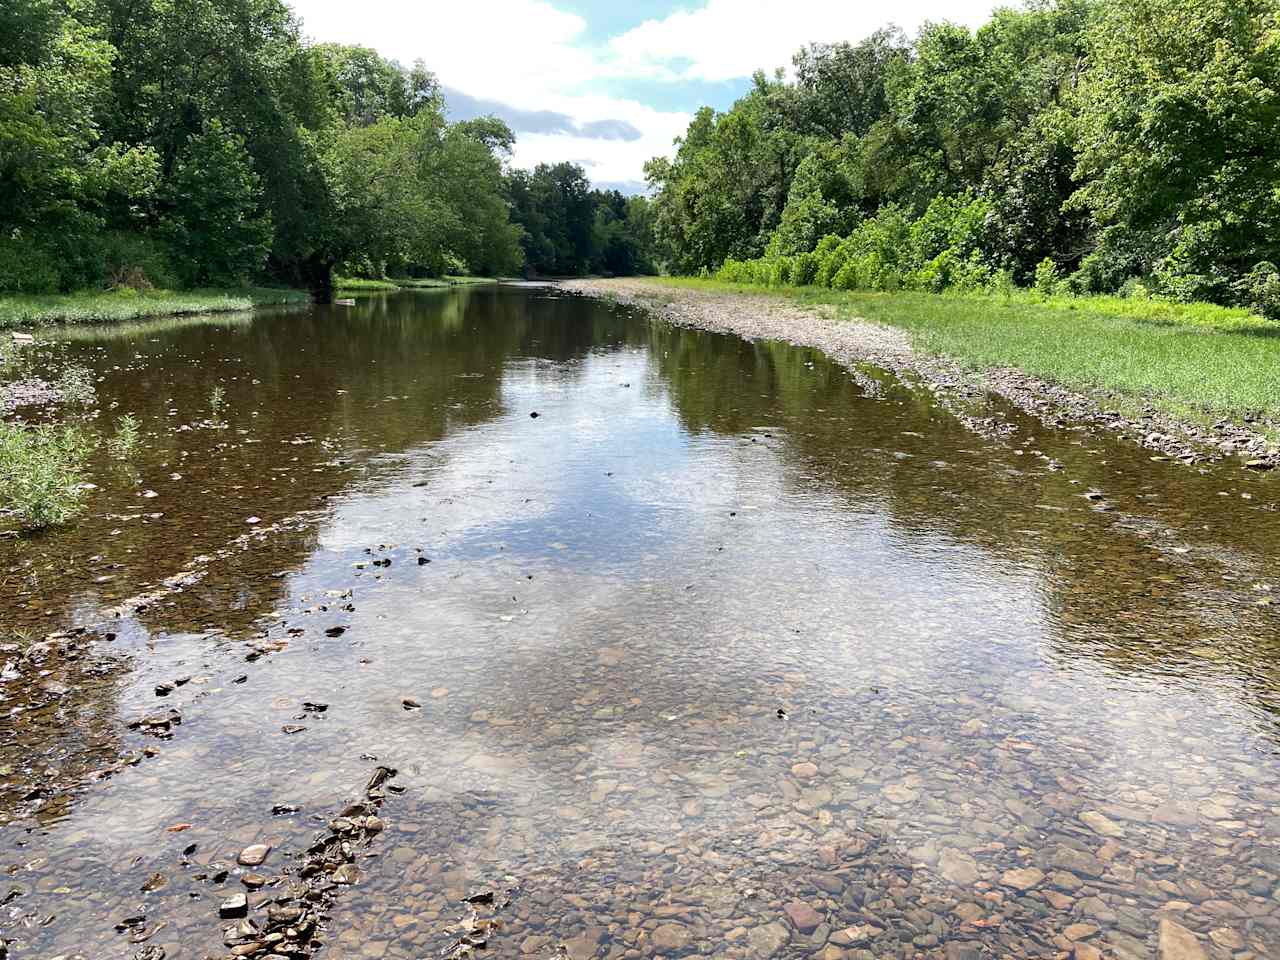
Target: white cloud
[
  {"x": 726, "y": 39},
  {"x": 504, "y": 49},
  {"x": 533, "y": 56},
  {"x": 525, "y": 53}
]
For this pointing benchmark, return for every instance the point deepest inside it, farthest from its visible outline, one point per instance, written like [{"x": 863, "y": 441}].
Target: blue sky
[{"x": 605, "y": 84}]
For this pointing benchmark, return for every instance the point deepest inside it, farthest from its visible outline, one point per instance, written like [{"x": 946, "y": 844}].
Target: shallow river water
[{"x": 728, "y": 651}]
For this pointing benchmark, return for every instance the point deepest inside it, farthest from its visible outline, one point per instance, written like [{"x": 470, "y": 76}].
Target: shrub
[
  {"x": 125, "y": 441},
  {"x": 1259, "y": 290},
  {"x": 1047, "y": 277},
  {"x": 26, "y": 267},
  {"x": 75, "y": 386},
  {"x": 804, "y": 269},
  {"x": 42, "y": 473}
]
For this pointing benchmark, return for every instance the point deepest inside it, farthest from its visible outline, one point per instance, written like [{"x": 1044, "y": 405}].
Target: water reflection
[{"x": 729, "y": 651}]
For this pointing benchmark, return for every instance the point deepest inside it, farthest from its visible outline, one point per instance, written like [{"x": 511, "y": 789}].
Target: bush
[
  {"x": 804, "y": 269},
  {"x": 26, "y": 267},
  {"x": 1047, "y": 277},
  {"x": 42, "y": 473},
  {"x": 1259, "y": 290}
]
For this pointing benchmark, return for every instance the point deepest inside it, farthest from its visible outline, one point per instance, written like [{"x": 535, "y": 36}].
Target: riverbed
[{"x": 678, "y": 644}]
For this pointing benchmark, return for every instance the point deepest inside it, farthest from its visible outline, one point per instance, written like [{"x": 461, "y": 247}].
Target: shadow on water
[{"x": 729, "y": 651}]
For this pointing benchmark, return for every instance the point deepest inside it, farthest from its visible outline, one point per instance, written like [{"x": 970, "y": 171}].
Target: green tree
[
  {"x": 1180, "y": 133},
  {"x": 217, "y": 225}
]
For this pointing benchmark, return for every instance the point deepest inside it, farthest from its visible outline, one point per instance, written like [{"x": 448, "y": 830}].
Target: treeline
[
  {"x": 1081, "y": 146},
  {"x": 571, "y": 229},
  {"x": 188, "y": 143}
]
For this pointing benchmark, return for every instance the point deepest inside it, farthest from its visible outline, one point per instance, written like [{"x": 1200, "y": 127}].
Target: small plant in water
[
  {"x": 76, "y": 386},
  {"x": 217, "y": 399},
  {"x": 42, "y": 473},
  {"x": 125, "y": 441}
]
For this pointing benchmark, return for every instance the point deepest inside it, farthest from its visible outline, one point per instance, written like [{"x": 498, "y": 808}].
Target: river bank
[
  {"x": 363, "y": 285},
  {"x": 121, "y": 306},
  {"x": 1185, "y": 391}
]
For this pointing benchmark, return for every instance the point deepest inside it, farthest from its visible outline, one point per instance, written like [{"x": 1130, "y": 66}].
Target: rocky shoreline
[{"x": 757, "y": 316}]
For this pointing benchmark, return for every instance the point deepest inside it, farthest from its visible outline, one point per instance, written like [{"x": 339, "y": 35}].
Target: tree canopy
[
  {"x": 1109, "y": 144},
  {"x": 194, "y": 142}
]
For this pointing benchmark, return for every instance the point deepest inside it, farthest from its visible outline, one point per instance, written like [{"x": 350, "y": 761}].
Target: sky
[{"x": 606, "y": 84}]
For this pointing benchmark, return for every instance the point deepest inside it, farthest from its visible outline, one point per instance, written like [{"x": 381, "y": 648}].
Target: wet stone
[
  {"x": 767, "y": 940},
  {"x": 234, "y": 906},
  {"x": 254, "y": 855},
  {"x": 803, "y": 917}
]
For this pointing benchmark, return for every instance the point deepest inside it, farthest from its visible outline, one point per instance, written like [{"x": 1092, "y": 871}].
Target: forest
[
  {"x": 1077, "y": 147},
  {"x": 191, "y": 144}
]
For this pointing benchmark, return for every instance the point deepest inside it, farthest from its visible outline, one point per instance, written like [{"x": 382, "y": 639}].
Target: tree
[
  {"x": 1180, "y": 133},
  {"x": 217, "y": 225}
]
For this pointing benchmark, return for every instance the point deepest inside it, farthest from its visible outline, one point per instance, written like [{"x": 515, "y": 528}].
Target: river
[{"x": 678, "y": 645}]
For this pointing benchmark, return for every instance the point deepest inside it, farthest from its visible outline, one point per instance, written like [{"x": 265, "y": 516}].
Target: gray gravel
[{"x": 757, "y": 316}]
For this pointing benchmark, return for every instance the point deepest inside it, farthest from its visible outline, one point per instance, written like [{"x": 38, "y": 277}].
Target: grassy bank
[
  {"x": 124, "y": 305},
  {"x": 359, "y": 284},
  {"x": 1185, "y": 358}
]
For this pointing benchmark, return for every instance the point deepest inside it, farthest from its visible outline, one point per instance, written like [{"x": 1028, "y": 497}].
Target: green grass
[
  {"x": 124, "y": 305},
  {"x": 1189, "y": 359},
  {"x": 406, "y": 283},
  {"x": 42, "y": 474},
  {"x": 360, "y": 284},
  {"x": 455, "y": 281}
]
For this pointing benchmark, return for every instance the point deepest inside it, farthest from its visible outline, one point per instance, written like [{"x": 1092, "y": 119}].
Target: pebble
[{"x": 255, "y": 855}]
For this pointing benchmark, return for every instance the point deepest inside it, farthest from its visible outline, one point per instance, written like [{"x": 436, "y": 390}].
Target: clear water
[{"x": 728, "y": 652}]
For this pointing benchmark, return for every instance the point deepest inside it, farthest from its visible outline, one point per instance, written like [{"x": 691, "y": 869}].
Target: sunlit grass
[
  {"x": 1179, "y": 356},
  {"x": 123, "y": 305},
  {"x": 358, "y": 284},
  {"x": 42, "y": 474}
]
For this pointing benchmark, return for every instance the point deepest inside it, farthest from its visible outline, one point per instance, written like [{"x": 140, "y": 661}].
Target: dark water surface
[{"x": 729, "y": 651}]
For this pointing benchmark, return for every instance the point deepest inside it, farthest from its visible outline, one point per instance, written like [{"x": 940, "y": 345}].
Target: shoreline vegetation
[
  {"x": 119, "y": 306},
  {"x": 365, "y": 285},
  {"x": 1177, "y": 377}
]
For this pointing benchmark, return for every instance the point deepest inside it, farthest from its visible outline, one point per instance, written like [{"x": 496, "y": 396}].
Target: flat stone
[
  {"x": 671, "y": 936},
  {"x": 805, "y": 770},
  {"x": 804, "y": 917},
  {"x": 1100, "y": 824},
  {"x": 1176, "y": 942},
  {"x": 1077, "y": 861},
  {"x": 968, "y": 912},
  {"x": 963, "y": 950},
  {"x": 852, "y": 936},
  {"x": 765, "y": 941},
  {"x": 958, "y": 867},
  {"x": 1023, "y": 879},
  {"x": 234, "y": 907},
  {"x": 897, "y": 793},
  {"x": 1080, "y": 931},
  {"x": 1228, "y": 938},
  {"x": 254, "y": 856},
  {"x": 1084, "y": 951}
]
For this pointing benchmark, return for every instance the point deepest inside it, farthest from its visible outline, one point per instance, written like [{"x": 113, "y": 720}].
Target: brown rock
[
  {"x": 1176, "y": 942},
  {"x": 671, "y": 936},
  {"x": 1023, "y": 879},
  {"x": 802, "y": 916},
  {"x": 255, "y": 855},
  {"x": 957, "y": 867},
  {"x": 765, "y": 941}
]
